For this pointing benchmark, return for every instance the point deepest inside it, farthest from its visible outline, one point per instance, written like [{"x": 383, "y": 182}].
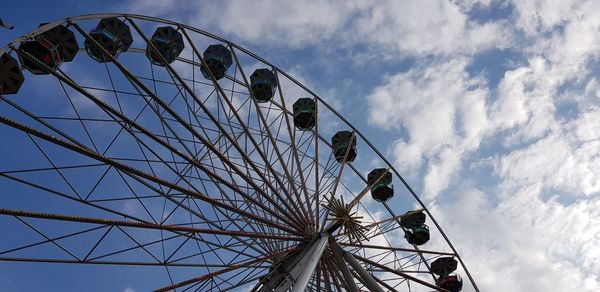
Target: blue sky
[{"x": 490, "y": 109}]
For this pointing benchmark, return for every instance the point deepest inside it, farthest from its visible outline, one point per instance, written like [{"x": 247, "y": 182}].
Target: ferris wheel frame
[{"x": 306, "y": 261}]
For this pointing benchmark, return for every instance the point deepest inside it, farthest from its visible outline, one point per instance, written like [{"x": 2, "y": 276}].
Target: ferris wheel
[{"x": 129, "y": 140}]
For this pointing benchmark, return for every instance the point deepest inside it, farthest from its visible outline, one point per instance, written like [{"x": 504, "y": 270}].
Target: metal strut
[
  {"x": 295, "y": 273},
  {"x": 358, "y": 268}
]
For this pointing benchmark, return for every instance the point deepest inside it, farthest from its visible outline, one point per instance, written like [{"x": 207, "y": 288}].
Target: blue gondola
[
  {"x": 343, "y": 142},
  {"x": 169, "y": 44},
  {"x": 218, "y": 60},
  {"x": 381, "y": 191},
  {"x": 305, "y": 114},
  {"x": 263, "y": 83},
  {"x": 113, "y": 35}
]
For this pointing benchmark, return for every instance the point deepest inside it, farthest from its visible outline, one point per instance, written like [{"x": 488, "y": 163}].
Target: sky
[{"x": 491, "y": 109}]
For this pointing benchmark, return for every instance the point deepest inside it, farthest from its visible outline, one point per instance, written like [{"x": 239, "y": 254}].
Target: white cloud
[
  {"x": 562, "y": 155},
  {"x": 525, "y": 102},
  {"x": 283, "y": 23},
  {"x": 427, "y": 27},
  {"x": 443, "y": 110},
  {"x": 445, "y": 113},
  {"x": 412, "y": 28},
  {"x": 542, "y": 15},
  {"x": 525, "y": 244},
  {"x": 563, "y": 162},
  {"x": 407, "y": 155},
  {"x": 541, "y": 218},
  {"x": 510, "y": 109},
  {"x": 469, "y": 4}
]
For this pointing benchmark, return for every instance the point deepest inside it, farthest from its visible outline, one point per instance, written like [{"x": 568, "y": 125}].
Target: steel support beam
[
  {"x": 338, "y": 258},
  {"x": 367, "y": 278},
  {"x": 143, "y": 225},
  {"x": 294, "y": 275},
  {"x": 309, "y": 263}
]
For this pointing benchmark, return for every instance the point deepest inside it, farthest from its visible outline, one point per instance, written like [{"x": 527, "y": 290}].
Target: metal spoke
[{"x": 108, "y": 222}]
